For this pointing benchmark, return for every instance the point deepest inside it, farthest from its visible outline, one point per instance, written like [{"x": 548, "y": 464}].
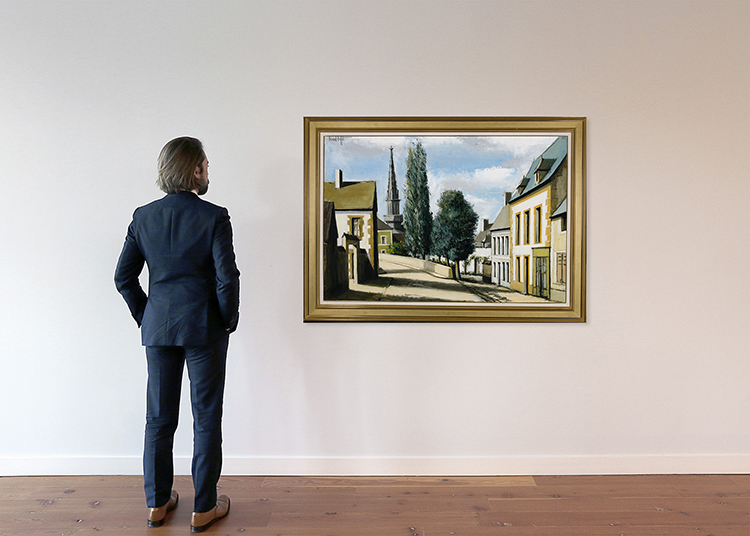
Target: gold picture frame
[{"x": 362, "y": 256}]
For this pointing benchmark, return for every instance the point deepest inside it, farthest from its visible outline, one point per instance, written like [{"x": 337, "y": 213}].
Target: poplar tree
[
  {"x": 454, "y": 228},
  {"x": 417, "y": 215}
]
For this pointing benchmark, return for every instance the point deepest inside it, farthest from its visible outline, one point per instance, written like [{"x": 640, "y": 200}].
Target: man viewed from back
[{"x": 191, "y": 307}]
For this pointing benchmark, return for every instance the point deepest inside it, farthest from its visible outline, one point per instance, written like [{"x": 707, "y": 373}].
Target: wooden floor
[{"x": 655, "y": 505}]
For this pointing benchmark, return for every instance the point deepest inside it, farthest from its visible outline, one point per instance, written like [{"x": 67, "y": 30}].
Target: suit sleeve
[
  {"x": 129, "y": 267},
  {"x": 227, "y": 274}
]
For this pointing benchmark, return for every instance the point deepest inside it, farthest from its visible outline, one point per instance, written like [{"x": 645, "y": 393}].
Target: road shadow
[{"x": 374, "y": 289}]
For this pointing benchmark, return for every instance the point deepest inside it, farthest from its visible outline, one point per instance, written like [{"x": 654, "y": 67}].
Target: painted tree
[
  {"x": 454, "y": 228},
  {"x": 417, "y": 215}
]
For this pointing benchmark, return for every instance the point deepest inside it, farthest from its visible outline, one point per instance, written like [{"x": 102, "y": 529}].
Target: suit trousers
[{"x": 207, "y": 372}]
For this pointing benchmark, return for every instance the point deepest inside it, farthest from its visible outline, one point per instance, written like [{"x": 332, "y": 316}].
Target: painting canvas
[{"x": 473, "y": 219}]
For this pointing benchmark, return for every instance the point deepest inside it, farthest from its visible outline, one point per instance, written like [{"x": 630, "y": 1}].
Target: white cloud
[
  {"x": 483, "y": 188},
  {"x": 481, "y": 166},
  {"x": 498, "y": 179}
]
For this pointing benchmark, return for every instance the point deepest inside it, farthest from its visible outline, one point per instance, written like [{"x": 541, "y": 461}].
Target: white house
[{"x": 500, "y": 254}]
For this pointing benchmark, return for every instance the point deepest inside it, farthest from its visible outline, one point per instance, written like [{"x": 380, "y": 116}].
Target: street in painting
[{"x": 436, "y": 218}]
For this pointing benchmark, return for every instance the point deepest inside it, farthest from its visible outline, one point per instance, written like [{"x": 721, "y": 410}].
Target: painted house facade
[
  {"x": 559, "y": 253},
  {"x": 500, "y": 249},
  {"x": 335, "y": 271},
  {"x": 482, "y": 249},
  {"x": 385, "y": 236},
  {"x": 538, "y": 195},
  {"x": 355, "y": 208}
]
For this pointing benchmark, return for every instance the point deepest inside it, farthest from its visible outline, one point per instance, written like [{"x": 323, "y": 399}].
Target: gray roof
[
  {"x": 549, "y": 161},
  {"x": 382, "y": 226},
  {"x": 502, "y": 221},
  {"x": 562, "y": 210},
  {"x": 482, "y": 237}
]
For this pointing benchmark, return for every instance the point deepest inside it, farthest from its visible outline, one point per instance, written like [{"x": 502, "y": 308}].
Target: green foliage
[
  {"x": 455, "y": 227},
  {"x": 397, "y": 248},
  {"x": 417, "y": 215}
]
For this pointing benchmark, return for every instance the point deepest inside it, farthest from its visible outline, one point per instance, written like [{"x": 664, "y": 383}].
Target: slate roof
[
  {"x": 482, "y": 238},
  {"x": 562, "y": 210},
  {"x": 549, "y": 161},
  {"x": 382, "y": 226},
  {"x": 351, "y": 196},
  {"x": 502, "y": 221}
]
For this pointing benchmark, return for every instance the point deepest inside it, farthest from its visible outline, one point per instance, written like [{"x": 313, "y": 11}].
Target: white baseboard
[{"x": 374, "y": 466}]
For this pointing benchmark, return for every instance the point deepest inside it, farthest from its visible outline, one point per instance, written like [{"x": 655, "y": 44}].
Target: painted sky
[{"x": 482, "y": 167}]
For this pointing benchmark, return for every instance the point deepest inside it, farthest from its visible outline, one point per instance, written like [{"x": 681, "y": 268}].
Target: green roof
[{"x": 351, "y": 196}]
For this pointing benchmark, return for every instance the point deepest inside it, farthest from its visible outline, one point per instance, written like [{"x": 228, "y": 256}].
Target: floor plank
[
  {"x": 625, "y": 504},
  {"x": 405, "y": 481},
  {"x": 647, "y": 505}
]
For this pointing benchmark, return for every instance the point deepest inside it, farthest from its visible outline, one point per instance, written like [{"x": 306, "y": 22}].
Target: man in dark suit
[{"x": 191, "y": 308}]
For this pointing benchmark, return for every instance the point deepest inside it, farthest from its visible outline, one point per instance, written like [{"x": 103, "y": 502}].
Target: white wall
[{"x": 657, "y": 380}]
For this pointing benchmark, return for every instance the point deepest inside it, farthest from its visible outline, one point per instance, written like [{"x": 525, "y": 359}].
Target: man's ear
[{"x": 197, "y": 172}]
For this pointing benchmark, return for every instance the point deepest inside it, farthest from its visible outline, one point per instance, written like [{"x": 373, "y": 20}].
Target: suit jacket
[{"x": 194, "y": 284}]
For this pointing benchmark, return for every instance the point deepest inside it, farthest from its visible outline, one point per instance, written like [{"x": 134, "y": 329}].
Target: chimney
[
  {"x": 485, "y": 224},
  {"x": 339, "y": 178},
  {"x": 507, "y": 196}
]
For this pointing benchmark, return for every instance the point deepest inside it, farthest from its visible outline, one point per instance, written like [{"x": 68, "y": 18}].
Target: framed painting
[{"x": 454, "y": 219}]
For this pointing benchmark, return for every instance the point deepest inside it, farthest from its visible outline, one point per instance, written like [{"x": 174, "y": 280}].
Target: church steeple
[{"x": 393, "y": 215}]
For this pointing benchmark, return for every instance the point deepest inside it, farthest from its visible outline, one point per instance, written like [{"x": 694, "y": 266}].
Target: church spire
[
  {"x": 392, "y": 189},
  {"x": 393, "y": 215}
]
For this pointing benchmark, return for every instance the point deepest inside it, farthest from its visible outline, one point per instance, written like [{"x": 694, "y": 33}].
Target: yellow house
[
  {"x": 356, "y": 211},
  {"x": 559, "y": 253},
  {"x": 538, "y": 195},
  {"x": 385, "y": 236}
]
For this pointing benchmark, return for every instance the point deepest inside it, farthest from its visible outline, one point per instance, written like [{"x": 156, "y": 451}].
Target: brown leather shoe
[
  {"x": 156, "y": 516},
  {"x": 203, "y": 520}
]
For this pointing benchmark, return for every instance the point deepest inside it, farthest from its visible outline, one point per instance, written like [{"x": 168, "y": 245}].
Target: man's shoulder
[
  {"x": 179, "y": 200},
  {"x": 148, "y": 208},
  {"x": 209, "y": 205},
  {"x": 208, "y": 210}
]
